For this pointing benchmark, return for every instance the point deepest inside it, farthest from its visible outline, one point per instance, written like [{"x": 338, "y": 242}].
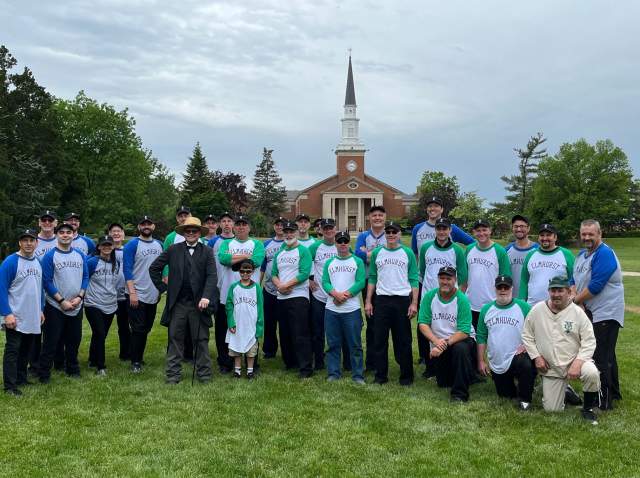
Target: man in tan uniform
[{"x": 559, "y": 337}]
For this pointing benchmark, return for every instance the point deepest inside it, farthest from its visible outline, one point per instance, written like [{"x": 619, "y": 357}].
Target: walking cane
[{"x": 195, "y": 352}]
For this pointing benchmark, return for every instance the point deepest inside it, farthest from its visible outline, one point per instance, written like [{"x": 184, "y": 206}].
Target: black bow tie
[{"x": 192, "y": 247}]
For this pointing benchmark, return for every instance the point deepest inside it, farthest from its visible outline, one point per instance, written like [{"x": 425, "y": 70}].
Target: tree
[
  {"x": 582, "y": 181},
  {"x": 468, "y": 210},
  {"x": 161, "y": 196},
  {"x": 196, "y": 189},
  {"x": 436, "y": 183},
  {"x": 268, "y": 196},
  {"x": 232, "y": 185},
  {"x": 519, "y": 186}
]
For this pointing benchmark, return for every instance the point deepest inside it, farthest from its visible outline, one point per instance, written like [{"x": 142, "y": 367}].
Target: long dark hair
[{"x": 112, "y": 257}]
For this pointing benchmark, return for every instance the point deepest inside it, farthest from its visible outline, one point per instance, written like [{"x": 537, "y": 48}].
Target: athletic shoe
[
  {"x": 136, "y": 367},
  {"x": 360, "y": 381},
  {"x": 101, "y": 372},
  {"x": 332, "y": 378},
  {"x": 251, "y": 375},
  {"x": 428, "y": 374},
  {"x": 381, "y": 381},
  {"x": 525, "y": 406},
  {"x": 457, "y": 400},
  {"x": 571, "y": 397},
  {"x": 590, "y": 416},
  {"x": 13, "y": 391},
  {"x": 236, "y": 374},
  {"x": 305, "y": 374}
]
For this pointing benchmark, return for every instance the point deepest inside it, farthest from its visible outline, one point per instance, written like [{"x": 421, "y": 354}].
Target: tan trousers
[{"x": 553, "y": 388}]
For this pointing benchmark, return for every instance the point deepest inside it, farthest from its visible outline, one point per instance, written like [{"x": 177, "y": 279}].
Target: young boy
[{"x": 244, "y": 318}]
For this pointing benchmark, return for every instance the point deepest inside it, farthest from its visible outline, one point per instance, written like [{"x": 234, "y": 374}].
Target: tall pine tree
[{"x": 269, "y": 196}]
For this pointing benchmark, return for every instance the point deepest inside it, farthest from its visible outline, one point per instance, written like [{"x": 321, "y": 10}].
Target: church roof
[{"x": 350, "y": 95}]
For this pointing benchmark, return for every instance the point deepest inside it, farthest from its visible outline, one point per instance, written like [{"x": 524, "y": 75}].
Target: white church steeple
[{"x": 350, "y": 135}]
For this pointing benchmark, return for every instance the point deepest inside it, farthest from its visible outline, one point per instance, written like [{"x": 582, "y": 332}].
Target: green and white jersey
[
  {"x": 484, "y": 265},
  {"x": 320, "y": 252},
  {"x": 291, "y": 262},
  {"x": 172, "y": 238},
  {"x": 432, "y": 257},
  {"x": 245, "y": 312},
  {"x": 446, "y": 317},
  {"x": 232, "y": 247},
  {"x": 219, "y": 267},
  {"x": 393, "y": 271},
  {"x": 539, "y": 267},
  {"x": 342, "y": 274},
  {"x": 307, "y": 242},
  {"x": 500, "y": 327},
  {"x": 271, "y": 246}
]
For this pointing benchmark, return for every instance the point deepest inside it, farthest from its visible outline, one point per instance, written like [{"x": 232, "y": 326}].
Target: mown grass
[{"x": 126, "y": 425}]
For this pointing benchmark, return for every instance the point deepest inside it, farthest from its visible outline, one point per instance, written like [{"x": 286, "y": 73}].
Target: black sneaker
[
  {"x": 251, "y": 375},
  {"x": 571, "y": 397},
  {"x": 13, "y": 391},
  {"x": 590, "y": 416},
  {"x": 236, "y": 374},
  {"x": 136, "y": 367},
  {"x": 524, "y": 406},
  {"x": 381, "y": 381}
]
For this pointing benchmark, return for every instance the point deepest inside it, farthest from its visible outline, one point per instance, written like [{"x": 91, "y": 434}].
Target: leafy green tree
[
  {"x": 436, "y": 183},
  {"x": 232, "y": 185},
  {"x": 161, "y": 196},
  {"x": 582, "y": 181},
  {"x": 468, "y": 210},
  {"x": 268, "y": 196}
]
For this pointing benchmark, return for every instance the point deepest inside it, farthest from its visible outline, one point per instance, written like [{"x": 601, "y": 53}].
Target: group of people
[{"x": 512, "y": 313}]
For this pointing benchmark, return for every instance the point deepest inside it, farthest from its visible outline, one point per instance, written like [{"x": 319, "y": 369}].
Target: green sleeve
[
  {"x": 304, "y": 268},
  {"x": 461, "y": 265},
  {"x": 568, "y": 256},
  {"x": 413, "y": 267},
  {"x": 482, "y": 333},
  {"x": 468, "y": 249},
  {"x": 464, "y": 313},
  {"x": 313, "y": 248},
  {"x": 504, "y": 266},
  {"x": 373, "y": 268},
  {"x": 326, "y": 279},
  {"x": 258, "y": 253},
  {"x": 274, "y": 264},
  {"x": 524, "y": 307},
  {"x": 424, "y": 315},
  {"x": 523, "y": 293},
  {"x": 168, "y": 242},
  {"x": 423, "y": 251},
  {"x": 260, "y": 322},
  {"x": 357, "y": 287},
  {"x": 224, "y": 256},
  {"x": 231, "y": 321}
]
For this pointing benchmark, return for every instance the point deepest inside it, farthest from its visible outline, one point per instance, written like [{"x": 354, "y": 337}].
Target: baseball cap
[
  {"x": 317, "y": 222},
  {"x": 447, "y": 271},
  {"x": 113, "y": 224},
  {"x": 343, "y": 235},
  {"x": 547, "y": 228},
  {"x": 227, "y": 214},
  {"x": 436, "y": 200},
  {"x": 519, "y": 217},
  {"x": 183, "y": 209},
  {"x": 443, "y": 222},
  {"x": 280, "y": 220},
  {"x": 48, "y": 213},
  {"x": 145, "y": 219},
  {"x": 242, "y": 218},
  {"x": 289, "y": 226},
  {"x": 480, "y": 223},
  {"x": 504, "y": 280},
  {"x": 377, "y": 208},
  {"x": 559, "y": 282},
  {"x": 303, "y": 216},
  {"x": 59, "y": 227},
  {"x": 210, "y": 217},
  {"x": 327, "y": 222},
  {"x": 392, "y": 225},
  {"x": 71, "y": 215},
  {"x": 238, "y": 265},
  {"x": 105, "y": 240},
  {"x": 28, "y": 233}
]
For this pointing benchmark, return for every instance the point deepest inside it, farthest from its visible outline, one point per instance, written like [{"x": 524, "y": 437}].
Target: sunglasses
[
  {"x": 390, "y": 232},
  {"x": 47, "y": 219},
  {"x": 342, "y": 241},
  {"x": 503, "y": 287},
  {"x": 191, "y": 231},
  {"x": 246, "y": 271}
]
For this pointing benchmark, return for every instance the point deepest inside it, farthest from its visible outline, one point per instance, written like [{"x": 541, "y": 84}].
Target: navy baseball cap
[
  {"x": 289, "y": 226},
  {"x": 377, "y": 208},
  {"x": 105, "y": 240},
  {"x": 241, "y": 218},
  {"x": 327, "y": 222},
  {"x": 145, "y": 219},
  {"x": 303, "y": 216},
  {"x": 392, "y": 225},
  {"x": 48, "y": 213},
  {"x": 519, "y": 217},
  {"x": 280, "y": 220},
  {"x": 343, "y": 235},
  {"x": 64, "y": 225},
  {"x": 442, "y": 222},
  {"x": 183, "y": 209},
  {"x": 447, "y": 271},
  {"x": 210, "y": 217},
  {"x": 547, "y": 228},
  {"x": 480, "y": 223},
  {"x": 504, "y": 280},
  {"x": 114, "y": 224},
  {"x": 28, "y": 233},
  {"x": 227, "y": 214},
  {"x": 71, "y": 215},
  {"x": 435, "y": 200}
]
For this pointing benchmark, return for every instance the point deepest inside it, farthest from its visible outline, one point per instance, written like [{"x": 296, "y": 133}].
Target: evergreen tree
[
  {"x": 436, "y": 183},
  {"x": 269, "y": 195}
]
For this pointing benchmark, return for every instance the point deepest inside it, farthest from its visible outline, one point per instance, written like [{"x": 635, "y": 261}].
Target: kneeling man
[
  {"x": 559, "y": 338},
  {"x": 445, "y": 320}
]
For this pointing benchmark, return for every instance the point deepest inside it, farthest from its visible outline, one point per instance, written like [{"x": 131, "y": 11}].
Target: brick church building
[{"x": 348, "y": 194}]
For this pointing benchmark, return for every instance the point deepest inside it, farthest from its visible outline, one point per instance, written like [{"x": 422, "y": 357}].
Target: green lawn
[{"x": 279, "y": 425}]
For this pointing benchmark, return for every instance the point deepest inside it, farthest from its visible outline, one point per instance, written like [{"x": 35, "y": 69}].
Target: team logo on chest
[{"x": 568, "y": 326}]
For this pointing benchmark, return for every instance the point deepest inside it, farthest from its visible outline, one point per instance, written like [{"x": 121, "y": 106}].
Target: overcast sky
[{"x": 450, "y": 86}]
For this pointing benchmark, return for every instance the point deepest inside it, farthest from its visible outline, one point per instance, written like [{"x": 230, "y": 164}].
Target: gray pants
[{"x": 183, "y": 315}]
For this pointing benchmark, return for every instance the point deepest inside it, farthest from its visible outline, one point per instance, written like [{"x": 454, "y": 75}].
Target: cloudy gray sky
[{"x": 449, "y": 86}]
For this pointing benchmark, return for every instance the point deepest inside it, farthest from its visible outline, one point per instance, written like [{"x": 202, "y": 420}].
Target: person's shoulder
[
  {"x": 355, "y": 258},
  {"x": 364, "y": 234},
  {"x": 418, "y": 226},
  {"x": 499, "y": 247},
  {"x": 462, "y": 298},
  {"x": 430, "y": 294},
  {"x": 485, "y": 308}
]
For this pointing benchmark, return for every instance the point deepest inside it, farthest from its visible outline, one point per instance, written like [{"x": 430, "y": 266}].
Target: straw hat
[{"x": 192, "y": 222}]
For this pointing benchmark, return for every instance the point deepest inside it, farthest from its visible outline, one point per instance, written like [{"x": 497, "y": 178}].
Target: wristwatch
[{"x": 60, "y": 301}]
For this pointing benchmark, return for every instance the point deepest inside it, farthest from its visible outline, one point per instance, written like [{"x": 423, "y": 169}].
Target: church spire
[
  {"x": 350, "y": 96},
  {"x": 350, "y": 140}
]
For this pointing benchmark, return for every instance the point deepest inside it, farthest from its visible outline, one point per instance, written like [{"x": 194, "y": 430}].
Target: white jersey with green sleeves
[
  {"x": 432, "y": 257},
  {"x": 393, "y": 271},
  {"x": 290, "y": 262},
  {"x": 308, "y": 242},
  {"x": 232, "y": 247},
  {"x": 320, "y": 252},
  {"x": 344, "y": 274},
  {"x": 446, "y": 317},
  {"x": 541, "y": 266},
  {"x": 484, "y": 265},
  {"x": 500, "y": 327},
  {"x": 245, "y": 312}
]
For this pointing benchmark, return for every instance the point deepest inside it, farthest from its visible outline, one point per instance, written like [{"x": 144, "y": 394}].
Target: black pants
[
  {"x": 453, "y": 368},
  {"x": 606, "y": 333},
  {"x": 100, "y": 324},
  {"x": 390, "y": 314},
  {"x": 295, "y": 334},
  {"x": 317, "y": 332},
  {"x": 141, "y": 321},
  {"x": 521, "y": 370},
  {"x": 369, "y": 335},
  {"x": 34, "y": 353},
  {"x": 60, "y": 328},
  {"x": 16, "y": 356},
  {"x": 224, "y": 361},
  {"x": 124, "y": 330},
  {"x": 270, "y": 346}
]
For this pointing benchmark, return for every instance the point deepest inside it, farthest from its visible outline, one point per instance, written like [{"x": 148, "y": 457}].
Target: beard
[{"x": 290, "y": 242}]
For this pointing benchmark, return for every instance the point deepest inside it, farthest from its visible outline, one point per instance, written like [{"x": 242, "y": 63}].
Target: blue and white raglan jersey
[
  {"x": 369, "y": 241},
  {"x": 320, "y": 252},
  {"x": 271, "y": 247},
  {"x": 66, "y": 273},
  {"x": 102, "y": 292},
  {"x": 44, "y": 246},
  {"x": 83, "y": 244},
  {"x": 600, "y": 272},
  {"x": 138, "y": 255},
  {"x": 215, "y": 243},
  {"x": 425, "y": 232},
  {"x": 21, "y": 292},
  {"x": 517, "y": 256},
  {"x": 121, "y": 287}
]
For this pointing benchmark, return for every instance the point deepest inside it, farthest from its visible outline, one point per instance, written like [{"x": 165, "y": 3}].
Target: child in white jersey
[{"x": 244, "y": 318}]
